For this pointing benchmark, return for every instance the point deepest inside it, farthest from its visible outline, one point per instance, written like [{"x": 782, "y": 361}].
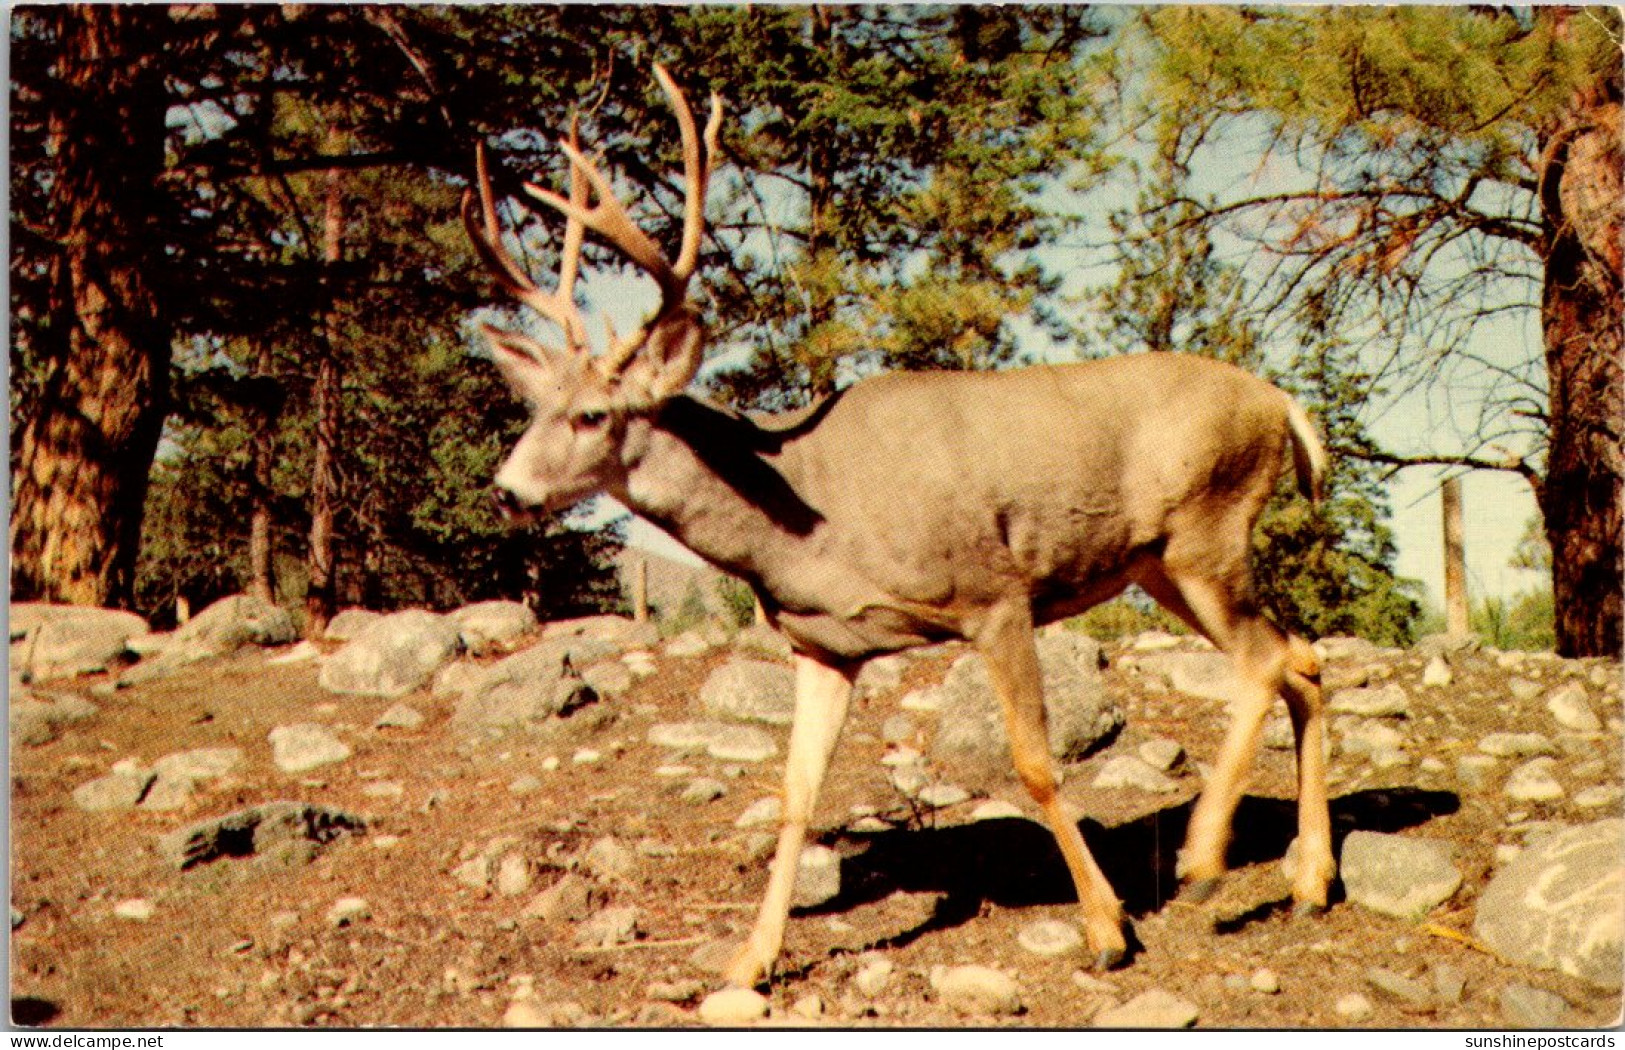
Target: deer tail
[{"x": 1308, "y": 454}]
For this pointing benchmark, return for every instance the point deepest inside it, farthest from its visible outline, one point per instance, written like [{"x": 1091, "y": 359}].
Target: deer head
[{"x": 581, "y": 404}]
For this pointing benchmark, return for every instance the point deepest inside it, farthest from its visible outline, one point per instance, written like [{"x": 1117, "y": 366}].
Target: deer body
[
  {"x": 914, "y": 508},
  {"x": 898, "y": 512}
]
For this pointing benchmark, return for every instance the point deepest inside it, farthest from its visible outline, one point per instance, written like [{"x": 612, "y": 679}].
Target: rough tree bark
[
  {"x": 1583, "y": 201},
  {"x": 87, "y": 447},
  {"x": 265, "y": 408},
  {"x": 329, "y": 393}
]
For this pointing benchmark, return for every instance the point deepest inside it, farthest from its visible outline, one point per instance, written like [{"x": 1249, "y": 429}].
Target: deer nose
[{"x": 508, "y": 504}]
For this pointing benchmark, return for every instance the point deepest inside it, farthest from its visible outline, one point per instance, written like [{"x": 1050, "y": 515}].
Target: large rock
[
  {"x": 122, "y": 788},
  {"x": 220, "y": 630},
  {"x": 57, "y": 641},
  {"x": 976, "y": 991},
  {"x": 305, "y": 746},
  {"x": 1560, "y": 904},
  {"x": 1153, "y": 1009},
  {"x": 526, "y": 689},
  {"x": 231, "y": 623},
  {"x": 753, "y": 690},
  {"x": 1397, "y": 875},
  {"x": 392, "y": 656},
  {"x": 1207, "y": 676},
  {"x": 1388, "y": 701},
  {"x": 616, "y": 632},
  {"x": 35, "y": 721},
  {"x": 489, "y": 627},
  {"x": 350, "y": 622},
  {"x": 1082, "y": 716},
  {"x": 257, "y": 830}
]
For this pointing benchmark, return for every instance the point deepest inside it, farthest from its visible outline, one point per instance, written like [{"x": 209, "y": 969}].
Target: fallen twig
[
  {"x": 679, "y": 942},
  {"x": 1440, "y": 930}
]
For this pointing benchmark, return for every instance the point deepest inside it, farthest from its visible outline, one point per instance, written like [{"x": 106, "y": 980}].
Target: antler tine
[
  {"x": 608, "y": 217},
  {"x": 696, "y": 169},
  {"x": 575, "y": 234},
  {"x": 486, "y": 235}
]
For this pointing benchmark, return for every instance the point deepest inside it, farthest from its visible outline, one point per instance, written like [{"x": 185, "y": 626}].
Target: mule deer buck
[{"x": 914, "y": 508}]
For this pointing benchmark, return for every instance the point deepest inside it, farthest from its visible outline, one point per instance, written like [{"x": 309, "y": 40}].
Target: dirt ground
[{"x": 248, "y": 942}]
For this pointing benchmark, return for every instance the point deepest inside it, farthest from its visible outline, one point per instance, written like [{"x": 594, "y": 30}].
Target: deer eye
[{"x": 592, "y": 419}]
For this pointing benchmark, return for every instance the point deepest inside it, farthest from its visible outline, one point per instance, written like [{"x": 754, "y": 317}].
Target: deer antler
[
  {"x": 557, "y": 306},
  {"x": 608, "y": 218}
]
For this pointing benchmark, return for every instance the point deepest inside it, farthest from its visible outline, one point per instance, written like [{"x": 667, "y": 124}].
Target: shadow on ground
[
  {"x": 1014, "y": 863},
  {"x": 29, "y": 1012}
]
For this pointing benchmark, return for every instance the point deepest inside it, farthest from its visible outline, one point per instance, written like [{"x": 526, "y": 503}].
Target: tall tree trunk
[
  {"x": 265, "y": 411},
  {"x": 324, "y": 480},
  {"x": 1583, "y": 201},
  {"x": 88, "y": 445}
]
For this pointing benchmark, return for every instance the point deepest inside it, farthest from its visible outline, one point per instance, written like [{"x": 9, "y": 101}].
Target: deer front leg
[
  {"x": 822, "y": 693},
  {"x": 1007, "y": 646}
]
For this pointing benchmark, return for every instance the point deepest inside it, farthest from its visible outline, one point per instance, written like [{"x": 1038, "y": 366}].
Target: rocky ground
[{"x": 475, "y": 820}]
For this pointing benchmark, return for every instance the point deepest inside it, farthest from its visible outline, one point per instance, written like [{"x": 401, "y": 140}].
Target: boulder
[
  {"x": 1571, "y": 707},
  {"x": 1560, "y": 904},
  {"x": 1388, "y": 701},
  {"x": 751, "y": 690},
  {"x": 761, "y": 640},
  {"x": 122, "y": 788},
  {"x": 302, "y": 747},
  {"x": 490, "y": 627},
  {"x": 349, "y": 623},
  {"x": 394, "y": 655},
  {"x": 1153, "y": 1009},
  {"x": 59, "y": 641},
  {"x": 256, "y": 830},
  {"x": 1396, "y": 874},
  {"x": 35, "y": 721},
  {"x": 1207, "y": 676},
  {"x": 524, "y": 690},
  {"x": 1082, "y": 716},
  {"x": 231, "y": 623},
  {"x": 220, "y": 630},
  {"x": 976, "y": 990},
  {"x": 617, "y": 632}
]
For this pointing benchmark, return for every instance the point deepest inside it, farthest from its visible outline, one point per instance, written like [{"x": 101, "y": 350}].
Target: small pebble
[
  {"x": 1050, "y": 937},
  {"x": 1162, "y": 754},
  {"x": 136, "y": 909},
  {"x": 874, "y": 976},
  {"x": 1353, "y": 1007},
  {"x": 733, "y": 1006},
  {"x": 808, "y": 1007},
  {"x": 941, "y": 796},
  {"x": 976, "y": 990},
  {"x": 996, "y": 809},
  {"x": 1264, "y": 980},
  {"x": 347, "y": 911}
]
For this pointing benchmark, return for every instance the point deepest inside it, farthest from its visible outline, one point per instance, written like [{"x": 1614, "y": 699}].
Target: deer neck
[{"x": 714, "y": 481}]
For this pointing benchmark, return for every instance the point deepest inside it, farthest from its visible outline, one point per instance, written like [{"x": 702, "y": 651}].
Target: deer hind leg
[
  {"x": 1268, "y": 663},
  {"x": 822, "y": 693},
  {"x": 1306, "y": 705},
  {"x": 1007, "y": 648}
]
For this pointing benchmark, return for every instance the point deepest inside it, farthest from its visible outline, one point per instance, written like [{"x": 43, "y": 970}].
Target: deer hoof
[
  {"x": 745, "y": 970},
  {"x": 1308, "y": 909},
  {"x": 1109, "y": 959},
  {"x": 1199, "y": 891}
]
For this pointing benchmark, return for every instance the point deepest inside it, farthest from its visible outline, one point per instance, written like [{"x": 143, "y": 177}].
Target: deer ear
[
  {"x": 667, "y": 361},
  {"x": 523, "y": 362}
]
